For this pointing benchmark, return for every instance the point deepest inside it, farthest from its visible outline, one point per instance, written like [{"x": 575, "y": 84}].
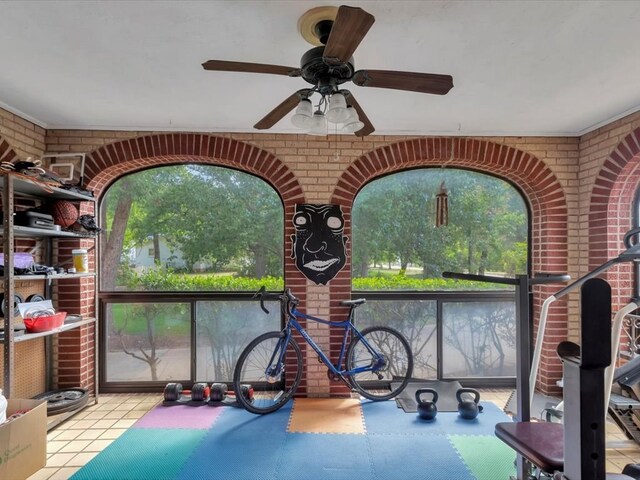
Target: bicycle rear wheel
[
  {"x": 391, "y": 375},
  {"x": 257, "y": 367}
]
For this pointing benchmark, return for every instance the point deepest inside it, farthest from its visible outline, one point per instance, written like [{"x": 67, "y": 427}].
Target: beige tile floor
[{"x": 73, "y": 443}]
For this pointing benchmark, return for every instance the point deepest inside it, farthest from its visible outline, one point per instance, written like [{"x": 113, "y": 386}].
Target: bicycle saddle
[{"x": 353, "y": 303}]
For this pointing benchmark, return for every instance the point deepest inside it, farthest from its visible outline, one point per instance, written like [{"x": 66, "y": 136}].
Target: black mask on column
[{"x": 318, "y": 244}]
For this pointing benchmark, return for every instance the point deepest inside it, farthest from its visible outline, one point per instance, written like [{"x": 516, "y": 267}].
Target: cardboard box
[{"x": 23, "y": 442}]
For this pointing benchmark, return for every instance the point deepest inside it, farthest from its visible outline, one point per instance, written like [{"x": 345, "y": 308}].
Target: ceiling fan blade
[
  {"x": 368, "y": 126},
  {"x": 225, "y": 66},
  {"x": 413, "y": 82},
  {"x": 348, "y": 30},
  {"x": 278, "y": 113}
]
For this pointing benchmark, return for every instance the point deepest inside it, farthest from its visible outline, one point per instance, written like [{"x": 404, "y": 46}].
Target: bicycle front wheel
[
  {"x": 273, "y": 385},
  {"x": 387, "y": 376}
]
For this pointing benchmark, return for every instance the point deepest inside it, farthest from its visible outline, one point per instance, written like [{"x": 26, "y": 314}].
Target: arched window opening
[
  {"x": 183, "y": 249},
  {"x": 191, "y": 227},
  {"x": 457, "y": 329}
]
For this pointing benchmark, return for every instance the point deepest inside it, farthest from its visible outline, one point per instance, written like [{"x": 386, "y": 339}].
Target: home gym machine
[
  {"x": 624, "y": 410},
  {"x": 576, "y": 451},
  {"x": 522, "y": 284}
]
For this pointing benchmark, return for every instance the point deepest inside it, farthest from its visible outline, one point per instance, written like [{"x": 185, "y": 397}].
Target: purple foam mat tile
[{"x": 180, "y": 416}]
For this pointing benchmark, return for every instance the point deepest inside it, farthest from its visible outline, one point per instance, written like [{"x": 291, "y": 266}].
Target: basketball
[{"x": 64, "y": 213}]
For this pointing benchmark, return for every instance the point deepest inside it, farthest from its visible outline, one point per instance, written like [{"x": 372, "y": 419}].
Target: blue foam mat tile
[
  {"x": 241, "y": 445},
  {"x": 384, "y": 418},
  {"x": 422, "y": 457},
  {"x": 318, "y": 456},
  {"x": 143, "y": 454},
  {"x": 238, "y": 418}
]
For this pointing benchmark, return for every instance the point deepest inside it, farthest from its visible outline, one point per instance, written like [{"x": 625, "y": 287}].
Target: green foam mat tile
[
  {"x": 143, "y": 454},
  {"x": 486, "y": 456}
]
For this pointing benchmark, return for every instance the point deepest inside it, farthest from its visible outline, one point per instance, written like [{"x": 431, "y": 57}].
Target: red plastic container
[{"x": 44, "y": 323}]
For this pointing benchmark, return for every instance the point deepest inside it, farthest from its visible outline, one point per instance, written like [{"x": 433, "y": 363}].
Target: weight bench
[{"x": 540, "y": 443}]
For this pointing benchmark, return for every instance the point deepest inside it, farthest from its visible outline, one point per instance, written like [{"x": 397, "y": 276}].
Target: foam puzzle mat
[{"x": 323, "y": 439}]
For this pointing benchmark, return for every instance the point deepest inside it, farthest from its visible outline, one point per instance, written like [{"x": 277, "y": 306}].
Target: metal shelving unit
[{"x": 19, "y": 186}]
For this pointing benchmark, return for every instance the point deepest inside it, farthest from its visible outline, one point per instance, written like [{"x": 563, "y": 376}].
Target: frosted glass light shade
[
  {"x": 337, "y": 111},
  {"x": 353, "y": 123},
  {"x": 319, "y": 126},
  {"x": 303, "y": 118}
]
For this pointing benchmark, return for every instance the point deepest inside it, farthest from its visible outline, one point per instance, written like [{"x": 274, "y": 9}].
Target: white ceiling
[{"x": 519, "y": 68}]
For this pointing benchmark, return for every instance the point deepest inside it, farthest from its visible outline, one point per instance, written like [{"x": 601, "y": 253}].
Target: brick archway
[
  {"x": 112, "y": 161},
  {"x": 6, "y": 152},
  {"x": 536, "y": 181},
  {"x": 610, "y": 213}
]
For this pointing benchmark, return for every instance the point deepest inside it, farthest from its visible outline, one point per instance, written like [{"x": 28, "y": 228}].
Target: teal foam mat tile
[{"x": 143, "y": 454}]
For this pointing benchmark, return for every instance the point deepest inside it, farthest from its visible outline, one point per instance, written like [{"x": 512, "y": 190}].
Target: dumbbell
[
  {"x": 218, "y": 392},
  {"x": 172, "y": 392},
  {"x": 200, "y": 392},
  {"x": 247, "y": 392}
]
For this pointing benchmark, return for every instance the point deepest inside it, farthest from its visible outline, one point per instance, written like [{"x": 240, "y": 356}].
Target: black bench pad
[{"x": 542, "y": 443}]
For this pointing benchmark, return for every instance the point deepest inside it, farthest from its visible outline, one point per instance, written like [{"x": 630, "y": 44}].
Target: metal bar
[
  {"x": 605, "y": 266},
  {"x": 480, "y": 278},
  {"x": 542, "y": 278},
  {"x": 9, "y": 347},
  {"x": 439, "y": 340},
  {"x": 523, "y": 363},
  {"x": 194, "y": 347}
]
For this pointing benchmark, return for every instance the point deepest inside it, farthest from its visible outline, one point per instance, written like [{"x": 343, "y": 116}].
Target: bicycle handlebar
[{"x": 286, "y": 298}]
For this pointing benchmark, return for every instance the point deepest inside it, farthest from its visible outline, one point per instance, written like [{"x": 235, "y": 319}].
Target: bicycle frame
[{"x": 347, "y": 325}]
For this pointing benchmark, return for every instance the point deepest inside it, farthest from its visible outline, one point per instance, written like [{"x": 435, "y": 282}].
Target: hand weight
[
  {"x": 200, "y": 392},
  {"x": 172, "y": 392},
  {"x": 427, "y": 410},
  {"x": 468, "y": 400},
  {"x": 218, "y": 392}
]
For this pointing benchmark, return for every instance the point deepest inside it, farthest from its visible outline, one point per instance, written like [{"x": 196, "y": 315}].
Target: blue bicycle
[{"x": 377, "y": 362}]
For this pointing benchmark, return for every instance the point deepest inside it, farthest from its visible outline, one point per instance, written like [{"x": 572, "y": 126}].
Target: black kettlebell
[
  {"x": 468, "y": 400},
  {"x": 427, "y": 410}
]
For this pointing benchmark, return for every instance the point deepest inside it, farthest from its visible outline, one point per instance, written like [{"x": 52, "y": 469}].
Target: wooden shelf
[{"x": 63, "y": 328}]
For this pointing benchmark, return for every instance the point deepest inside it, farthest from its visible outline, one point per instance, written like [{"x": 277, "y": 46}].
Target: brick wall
[
  {"x": 557, "y": 177},
  {"x": 609, "y": 178},
  {"x": 333, "y": 169},
  {"x": 24, "y": 137}
]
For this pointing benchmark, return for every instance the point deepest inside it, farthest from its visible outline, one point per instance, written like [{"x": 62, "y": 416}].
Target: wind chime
[{"x": 442, "y": 206}]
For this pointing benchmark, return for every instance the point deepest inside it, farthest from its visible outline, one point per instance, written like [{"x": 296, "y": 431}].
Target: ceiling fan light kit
[
  {"x": 336, "y": 32},
  {"x": 353, "y": 123},
  {"x": 303, "y": 118},
  {"x": 337, "y": 111},
  {"x": 318, "y": 125}
]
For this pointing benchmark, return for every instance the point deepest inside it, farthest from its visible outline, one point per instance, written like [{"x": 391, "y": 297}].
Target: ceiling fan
[{"x": 336, "y": 32}]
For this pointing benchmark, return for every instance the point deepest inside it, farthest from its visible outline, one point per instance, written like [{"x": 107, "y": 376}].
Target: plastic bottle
[{"x": 3, "y": 408}]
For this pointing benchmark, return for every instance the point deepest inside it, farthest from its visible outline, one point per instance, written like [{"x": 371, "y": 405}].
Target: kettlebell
[
  {"x": 427, "y": 410},
  {"x": 468, "y": 407}
]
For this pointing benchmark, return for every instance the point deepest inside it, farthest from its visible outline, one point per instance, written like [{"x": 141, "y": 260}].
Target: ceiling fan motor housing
[{"x": 326, "y": 77}]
